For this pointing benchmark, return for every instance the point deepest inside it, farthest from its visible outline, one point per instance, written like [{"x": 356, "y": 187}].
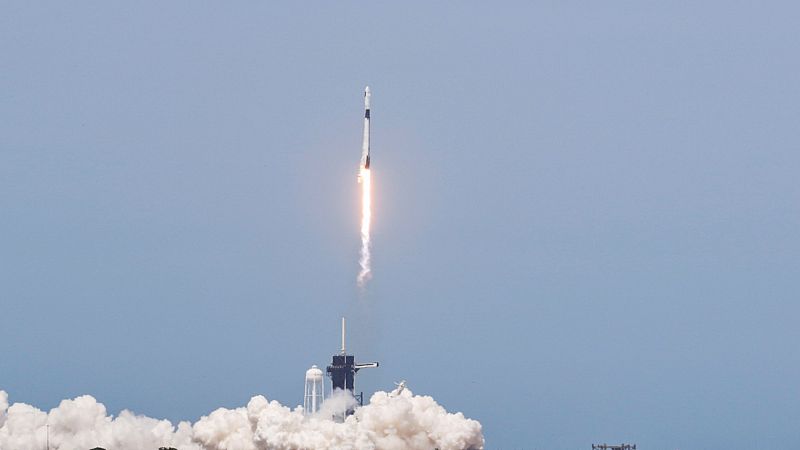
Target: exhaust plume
[
  {"x": 366, "y": 220},
  {"x": 391, "y": 421}
]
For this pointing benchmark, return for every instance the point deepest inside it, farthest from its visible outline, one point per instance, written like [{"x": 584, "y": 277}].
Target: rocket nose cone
[{"x": 366, "y": 90}]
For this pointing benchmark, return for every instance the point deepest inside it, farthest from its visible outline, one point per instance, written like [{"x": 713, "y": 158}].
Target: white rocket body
[{"x": 365, "y": 141}]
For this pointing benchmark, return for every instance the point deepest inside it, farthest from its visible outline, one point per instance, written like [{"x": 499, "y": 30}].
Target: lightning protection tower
[{"x": 315, "y": 391}]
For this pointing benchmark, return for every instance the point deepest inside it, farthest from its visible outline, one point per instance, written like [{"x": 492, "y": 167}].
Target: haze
[{"x": 584, "y": 227}]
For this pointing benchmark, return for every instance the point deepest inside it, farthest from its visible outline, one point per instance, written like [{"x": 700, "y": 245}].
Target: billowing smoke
[
  {"x": 83, "y": 423},
  {"x": 3, "y": 407},
  {"x": 392, "y": 421}
]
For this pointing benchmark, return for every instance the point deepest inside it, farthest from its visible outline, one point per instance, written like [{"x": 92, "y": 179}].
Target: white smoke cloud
[
  {"x": 83, "y": 423},
  {"x": 391, "y": 421},
  {"x": 3, "y": 407},
  {"x": 336, "y": 405}
]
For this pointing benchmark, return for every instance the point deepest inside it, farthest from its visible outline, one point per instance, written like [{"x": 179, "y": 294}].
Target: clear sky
[{"x": 585, "y": 227}]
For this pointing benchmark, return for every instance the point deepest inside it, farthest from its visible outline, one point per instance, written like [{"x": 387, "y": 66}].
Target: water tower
[{"x": 315, "y": 391}]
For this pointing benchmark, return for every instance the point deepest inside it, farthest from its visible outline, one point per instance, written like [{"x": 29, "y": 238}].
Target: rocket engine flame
[{"x": 364, "y": 275}]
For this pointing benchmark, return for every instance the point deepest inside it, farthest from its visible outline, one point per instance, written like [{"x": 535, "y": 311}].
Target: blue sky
[{"x": 585, "y": 224}]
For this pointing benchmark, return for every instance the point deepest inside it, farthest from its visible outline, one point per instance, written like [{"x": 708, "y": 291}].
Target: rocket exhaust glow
[{"x": 365, "y": 179}]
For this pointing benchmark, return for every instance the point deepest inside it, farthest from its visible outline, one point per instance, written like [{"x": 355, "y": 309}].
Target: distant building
[{"x": 613, "y": 447}]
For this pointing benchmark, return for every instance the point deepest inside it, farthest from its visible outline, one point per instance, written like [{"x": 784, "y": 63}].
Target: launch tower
[{"x": 343, "y": 370}]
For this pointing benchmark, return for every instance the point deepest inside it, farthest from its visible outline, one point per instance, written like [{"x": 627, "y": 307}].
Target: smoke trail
[
  {"x": 391, "y": 421},
  {"x": 366, "y": 219}
]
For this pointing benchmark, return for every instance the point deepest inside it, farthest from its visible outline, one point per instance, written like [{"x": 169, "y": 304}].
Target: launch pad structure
[{"x": 343, "y": 369}]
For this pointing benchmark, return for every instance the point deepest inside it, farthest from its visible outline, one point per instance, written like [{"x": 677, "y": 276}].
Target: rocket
[{"x": 365, "y": 140}]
